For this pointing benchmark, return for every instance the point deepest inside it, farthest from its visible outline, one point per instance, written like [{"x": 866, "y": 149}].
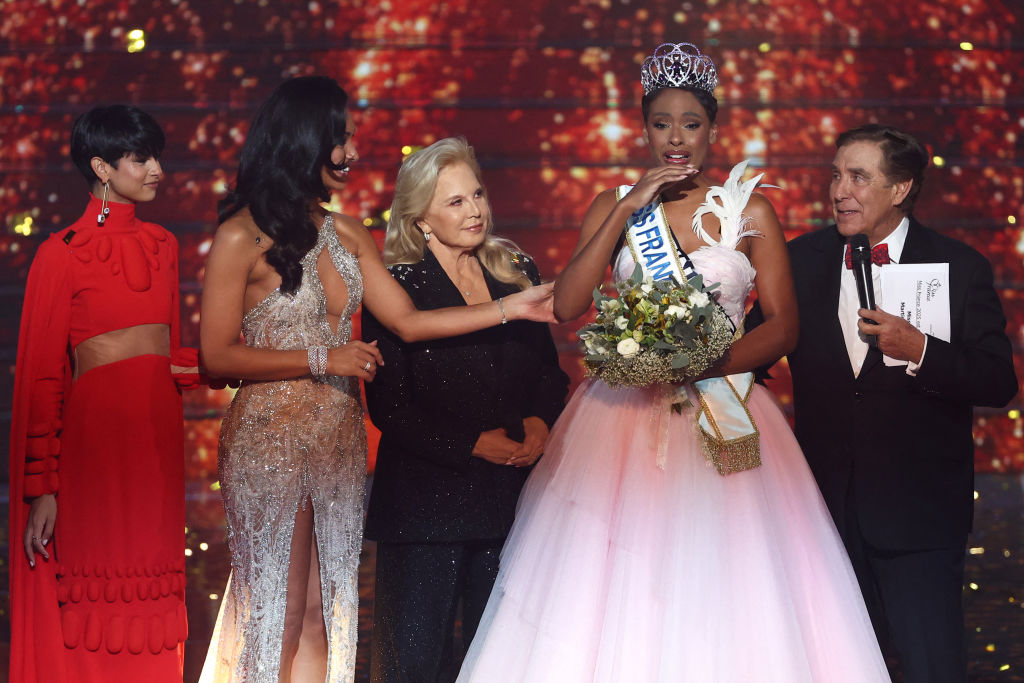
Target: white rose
[
  {"x": 699, "y": 299},
  {"x": 678, "y": 312},
  {"x": 610, "y": 305},
  {"x": 621, "y": 322},
  {"x": 627, "y": 348}
]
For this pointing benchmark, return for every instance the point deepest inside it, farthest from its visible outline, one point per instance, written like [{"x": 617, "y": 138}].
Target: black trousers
[
  {"x": 418, "y": 590},
  {"x": 915, "y": 601}
]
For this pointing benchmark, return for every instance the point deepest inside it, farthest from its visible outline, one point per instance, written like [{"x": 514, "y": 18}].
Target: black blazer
[
  {"x": 905, "y": 441},
  {"x": 431, "y": 400}
]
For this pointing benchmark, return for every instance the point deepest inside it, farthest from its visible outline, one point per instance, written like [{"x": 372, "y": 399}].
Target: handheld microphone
[{"x": 860, "y": 255}]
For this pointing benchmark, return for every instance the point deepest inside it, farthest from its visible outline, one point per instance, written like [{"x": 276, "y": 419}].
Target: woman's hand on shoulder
[
  {"x": 42, "y": 515},
  {"x": 533, "y": 303}
]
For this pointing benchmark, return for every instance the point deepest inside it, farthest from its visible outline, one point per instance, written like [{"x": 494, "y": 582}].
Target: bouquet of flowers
[{"x": 655, "y": 332}]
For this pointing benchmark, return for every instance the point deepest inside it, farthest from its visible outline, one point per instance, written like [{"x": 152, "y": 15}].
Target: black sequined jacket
[{"x": 431, "y": 400}]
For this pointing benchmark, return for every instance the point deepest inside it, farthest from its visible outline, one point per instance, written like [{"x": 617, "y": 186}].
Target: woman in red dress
[{"x": 97, "y": 466}]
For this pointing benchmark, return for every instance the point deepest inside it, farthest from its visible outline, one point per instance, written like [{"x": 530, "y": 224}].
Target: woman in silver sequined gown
[{"x": 287, "y": 276}]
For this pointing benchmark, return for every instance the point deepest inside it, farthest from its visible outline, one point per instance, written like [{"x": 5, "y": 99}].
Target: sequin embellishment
[{"x": 281, "y": 443}]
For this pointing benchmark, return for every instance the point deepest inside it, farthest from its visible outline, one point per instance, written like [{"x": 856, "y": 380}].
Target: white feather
[{"x": 726, "y": 203}]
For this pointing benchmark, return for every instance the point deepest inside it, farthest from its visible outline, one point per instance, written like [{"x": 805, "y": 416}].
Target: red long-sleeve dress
[{"x": 109, "y": 603}]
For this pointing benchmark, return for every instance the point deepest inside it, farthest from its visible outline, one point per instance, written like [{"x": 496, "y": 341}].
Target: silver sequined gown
[{"x": 281, "y": 443}]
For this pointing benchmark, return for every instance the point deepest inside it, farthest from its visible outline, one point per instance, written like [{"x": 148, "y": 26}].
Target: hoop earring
[{"x": 104, "y": 209}]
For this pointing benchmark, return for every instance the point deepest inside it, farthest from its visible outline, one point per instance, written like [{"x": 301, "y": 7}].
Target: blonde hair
[{"x": 414, "y": 189}]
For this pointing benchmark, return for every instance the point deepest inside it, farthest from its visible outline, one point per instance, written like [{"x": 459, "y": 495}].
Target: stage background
[{"x": 548, "y": 94}]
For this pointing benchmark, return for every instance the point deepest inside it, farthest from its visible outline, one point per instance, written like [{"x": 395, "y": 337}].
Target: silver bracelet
[
  {"x": 501, "y": 307},
  {"x": 316, "y": 356}
]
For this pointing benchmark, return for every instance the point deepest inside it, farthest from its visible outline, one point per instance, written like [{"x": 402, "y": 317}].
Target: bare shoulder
[
  {"x": 240, "y": 232},
  {"x": 605, "y": 200},
  {"x": 761, "y": 210},
  {"x": 347, "y": 226},
  {"x": 353, "y": 234},
  {"x": 600, "y": 208}
]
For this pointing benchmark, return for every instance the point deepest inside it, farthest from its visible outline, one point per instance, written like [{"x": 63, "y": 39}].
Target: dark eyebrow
[
  {"x": 685, "y": 113},
  {"x": 854, "y": 171}
]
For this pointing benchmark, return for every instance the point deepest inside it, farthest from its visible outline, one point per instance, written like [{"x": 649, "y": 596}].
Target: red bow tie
[{"x": 879, "y": 255}]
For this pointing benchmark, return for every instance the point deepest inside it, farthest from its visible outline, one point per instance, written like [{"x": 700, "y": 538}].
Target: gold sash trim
[{"x": 728, "y": 434}]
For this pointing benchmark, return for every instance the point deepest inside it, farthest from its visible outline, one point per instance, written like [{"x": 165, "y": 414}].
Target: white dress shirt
[{"x": 849, "y": 303}]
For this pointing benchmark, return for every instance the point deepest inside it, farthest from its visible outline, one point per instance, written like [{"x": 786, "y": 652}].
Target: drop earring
[
  {"x": 426, "y": 236},
  {"x": 104, "y": 209}
]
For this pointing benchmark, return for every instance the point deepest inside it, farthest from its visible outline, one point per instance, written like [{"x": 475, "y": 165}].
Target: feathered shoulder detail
[{"x": 726, "y": 203}]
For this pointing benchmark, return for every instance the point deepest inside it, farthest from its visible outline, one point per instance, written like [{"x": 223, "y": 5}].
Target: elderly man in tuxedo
[{"x": 889, "y": 440}]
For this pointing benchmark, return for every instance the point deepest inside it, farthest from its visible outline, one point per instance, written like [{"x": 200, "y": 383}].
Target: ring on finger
[
  {"x": 366, "y": 368},
  {"x": 35, "y": 538}
]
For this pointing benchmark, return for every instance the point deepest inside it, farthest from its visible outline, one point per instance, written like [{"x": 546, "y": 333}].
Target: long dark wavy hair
[{"x": 279, "y": 170}]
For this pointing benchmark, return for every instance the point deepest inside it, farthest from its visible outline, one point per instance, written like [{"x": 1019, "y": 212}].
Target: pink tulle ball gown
[{"x": 620, "y": 569}]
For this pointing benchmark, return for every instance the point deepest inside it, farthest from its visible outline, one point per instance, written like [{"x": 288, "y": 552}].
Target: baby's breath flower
[{"x": 653, "y": 352}]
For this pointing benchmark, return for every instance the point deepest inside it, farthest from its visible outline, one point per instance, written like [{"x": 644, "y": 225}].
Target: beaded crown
[{"x": 676, "y": 65}]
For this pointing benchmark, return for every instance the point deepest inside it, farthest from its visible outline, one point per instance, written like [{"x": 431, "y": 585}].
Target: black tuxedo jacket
[
  {"x": 903, "y": 442},
  {"x": 431, "y": 400}
]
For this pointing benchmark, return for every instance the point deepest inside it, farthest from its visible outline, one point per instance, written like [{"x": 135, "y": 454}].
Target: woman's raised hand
[
  {"x": 654, "y": 181},
  {"x": 42, "y": 515},
  {"x": 533, "y": 303},
  {"x": 354, "y": 359}
]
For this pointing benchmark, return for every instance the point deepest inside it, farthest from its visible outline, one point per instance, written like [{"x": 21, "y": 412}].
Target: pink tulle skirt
[{"x": 620, "y": 570}]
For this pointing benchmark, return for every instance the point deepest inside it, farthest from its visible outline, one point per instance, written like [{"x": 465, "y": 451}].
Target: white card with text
[{"x": 918, "y": 293}]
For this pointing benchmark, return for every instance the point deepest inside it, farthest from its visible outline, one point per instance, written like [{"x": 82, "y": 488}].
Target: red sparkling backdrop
[{"x": 547, "y": 93}]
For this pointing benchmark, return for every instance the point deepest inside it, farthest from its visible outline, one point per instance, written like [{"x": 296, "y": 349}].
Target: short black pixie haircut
[{"x": 111, "y": 133}]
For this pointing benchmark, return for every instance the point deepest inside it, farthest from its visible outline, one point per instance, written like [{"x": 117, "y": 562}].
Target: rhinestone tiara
[{"x": 675, "y": 65}]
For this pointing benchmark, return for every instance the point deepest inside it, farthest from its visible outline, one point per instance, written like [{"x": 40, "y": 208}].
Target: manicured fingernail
[
  {"x": 31, "y": 564},
  {"x": 45, "y": 541}
]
